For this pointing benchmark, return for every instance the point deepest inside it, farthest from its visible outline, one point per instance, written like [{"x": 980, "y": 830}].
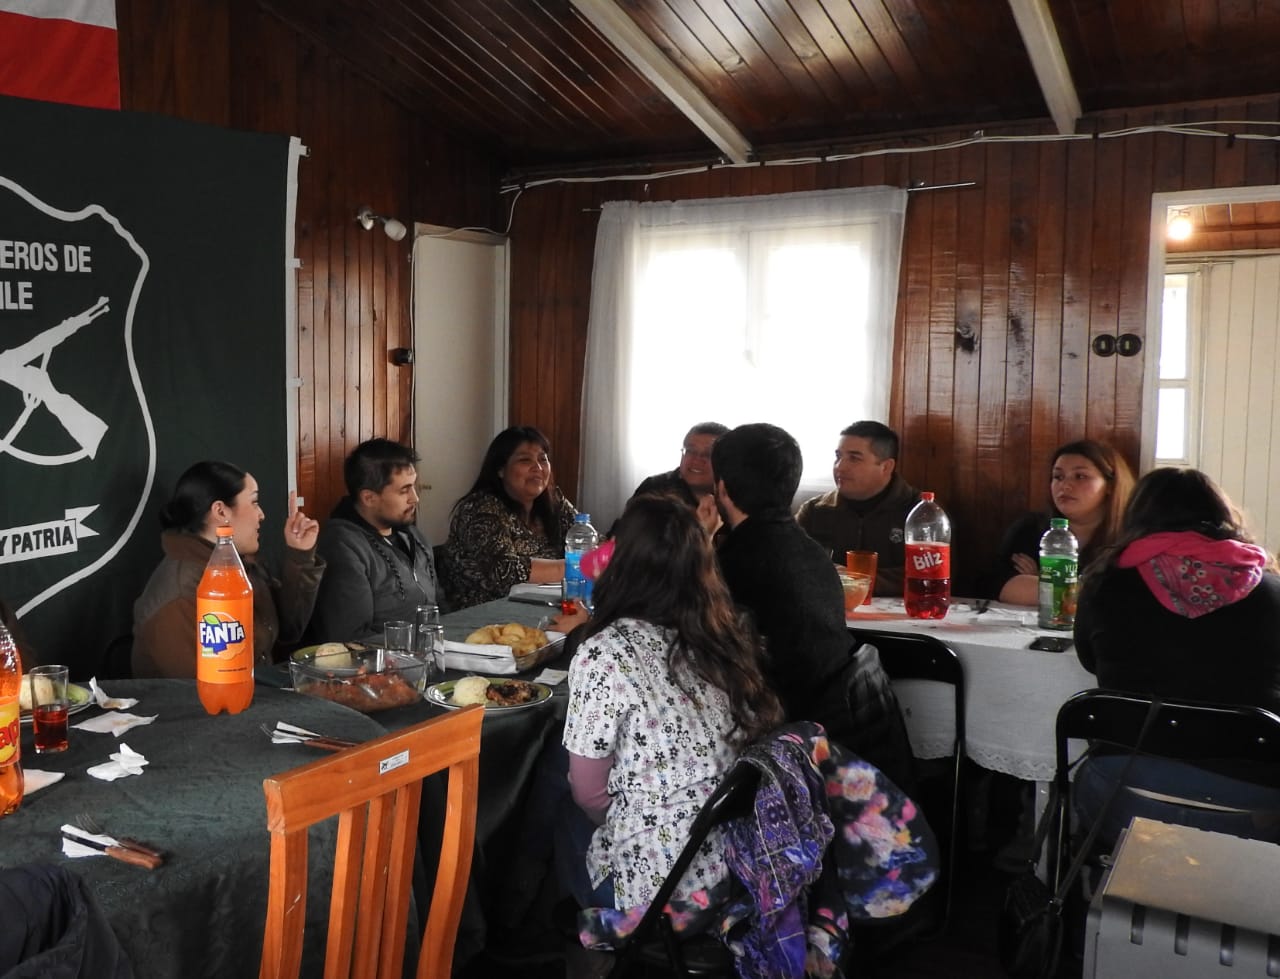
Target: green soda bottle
[{"x": 1059, "y": 571}]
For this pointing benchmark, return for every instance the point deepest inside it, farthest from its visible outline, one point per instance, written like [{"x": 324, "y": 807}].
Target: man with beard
[{"x": 380, "y": 566}]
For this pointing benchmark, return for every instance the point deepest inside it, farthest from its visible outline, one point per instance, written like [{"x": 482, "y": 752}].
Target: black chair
[
  {"x": 913, "y": 657},
  {"x": 1181, "y": 730},
  {"x": 654, "y": 943}
]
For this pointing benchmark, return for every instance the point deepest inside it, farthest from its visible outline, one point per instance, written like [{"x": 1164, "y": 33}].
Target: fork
[{"x": 90, "y": 825}]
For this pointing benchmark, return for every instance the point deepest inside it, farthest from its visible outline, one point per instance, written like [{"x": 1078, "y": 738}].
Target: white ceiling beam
[
  {"x": 1035, "y": 24},
  {"x": 647, "y": 58}
]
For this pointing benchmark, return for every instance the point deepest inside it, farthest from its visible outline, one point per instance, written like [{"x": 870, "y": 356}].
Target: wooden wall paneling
[
  {"x": 1131, "y": 312},
  {"x": 1168, "y": 155},
  {"x": 202, "y": 68},
  {"x": 1228, "y": 157},
  {"x": 960, "y": 348},
  {"x": 1019, "y": 462},
  {"x": 1077, "y": 285},
  {"x": 1049, "y": 335},
  {"x": 1104, "y": 292},
  {"x": 988, "y": 452},
  {"x": 910, "y": 381},
  {"x": 930, "y": 343},
  {"x": 1261, "y": 156}
]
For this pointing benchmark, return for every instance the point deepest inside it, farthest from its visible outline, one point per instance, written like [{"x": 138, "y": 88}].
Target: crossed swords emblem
[{"x": 18, "y": 369}]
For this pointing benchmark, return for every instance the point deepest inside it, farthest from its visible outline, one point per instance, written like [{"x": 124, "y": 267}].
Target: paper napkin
[
  {"x": 72, "y": 849},
  {"x": 551, "y": 677},
  {"x": 34, "y": 779},
  {"x": 109, "y": 703},
  {"x": 124, "y": 762},
  {"x": 480, "y": 658},
  {"x": 113, "y": 722}
]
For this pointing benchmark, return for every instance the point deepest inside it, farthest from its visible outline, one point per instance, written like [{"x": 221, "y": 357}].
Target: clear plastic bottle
[
  {"x": 224, "y": 631},
  {"x": 1059, "y": 573},
  {"x": 11, "y": 782},
  {"x": 927, "y": 534},
  {"x": 580, "y": 539}
]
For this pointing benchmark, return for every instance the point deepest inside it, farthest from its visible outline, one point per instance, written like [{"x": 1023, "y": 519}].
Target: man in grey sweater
[{"x": 380, "y": 566}]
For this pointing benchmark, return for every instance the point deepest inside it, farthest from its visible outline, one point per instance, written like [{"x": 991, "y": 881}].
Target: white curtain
[{"x": 777, "y": 308}]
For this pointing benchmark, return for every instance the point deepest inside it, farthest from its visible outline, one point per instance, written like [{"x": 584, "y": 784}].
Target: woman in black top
[
  {"x": 1089, "y": 484},
  {"x": 1184, "y": 605}
]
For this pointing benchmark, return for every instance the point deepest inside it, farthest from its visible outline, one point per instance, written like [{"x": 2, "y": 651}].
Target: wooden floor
[{"x": 966, "y": 951}]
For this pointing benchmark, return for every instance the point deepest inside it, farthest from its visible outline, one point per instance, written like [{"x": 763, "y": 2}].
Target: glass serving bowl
[
  {"x": 367, "y": 680},
  {"x": 855, "y": 588}
]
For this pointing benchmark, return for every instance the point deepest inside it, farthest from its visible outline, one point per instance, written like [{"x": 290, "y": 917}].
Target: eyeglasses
[{"x": 696, "y": 453}]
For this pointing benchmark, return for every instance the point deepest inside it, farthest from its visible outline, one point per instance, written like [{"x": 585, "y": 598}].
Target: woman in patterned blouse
[
  {"x": 510, "y": 526},
  {"x": 663, "y": 692}
]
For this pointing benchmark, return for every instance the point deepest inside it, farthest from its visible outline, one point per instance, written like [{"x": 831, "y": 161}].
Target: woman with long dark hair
[
  {"x": 664, "y": 690},
  {"x": 1089, "y": 484},
  {"x": 210, "y": 495},
  {"x": 1183, "y": 605},
  {"x": 510, "y": 526}
]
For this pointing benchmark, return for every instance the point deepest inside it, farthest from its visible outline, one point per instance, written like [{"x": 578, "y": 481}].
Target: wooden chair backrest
[{"x": 375, "y": 789}]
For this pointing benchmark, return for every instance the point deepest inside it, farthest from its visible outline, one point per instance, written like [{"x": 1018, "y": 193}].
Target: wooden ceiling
[{"x": 538, "y": 83}]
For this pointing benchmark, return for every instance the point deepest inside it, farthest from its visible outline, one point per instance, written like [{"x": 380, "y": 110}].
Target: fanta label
[
  {"x": 928, "y": 560},
  {"x": 218, "y": 631},
  {"x": 10, "y": 732}
]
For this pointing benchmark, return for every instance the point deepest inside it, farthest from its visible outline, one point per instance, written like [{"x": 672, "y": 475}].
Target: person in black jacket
[
  {"x": 785, "y": 580},
  {"x": 1184, "y": 605}
]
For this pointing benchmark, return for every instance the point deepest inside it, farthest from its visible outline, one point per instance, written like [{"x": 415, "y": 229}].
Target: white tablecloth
[{"x": 1012, "y": 693}]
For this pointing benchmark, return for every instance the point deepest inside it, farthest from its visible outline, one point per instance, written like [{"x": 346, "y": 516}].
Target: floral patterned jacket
[{"x": 832, "y": 840}]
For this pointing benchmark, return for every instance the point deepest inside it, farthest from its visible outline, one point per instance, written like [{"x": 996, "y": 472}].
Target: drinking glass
[
  {"x": 863, "y": 563},
  {"x": 397, "y": 635},
  {"x": 49, "y": 706},
  {"x": 429, "y": 647}
]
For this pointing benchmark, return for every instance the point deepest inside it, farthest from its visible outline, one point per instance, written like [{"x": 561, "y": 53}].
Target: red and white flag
[{"x": 60, "y": 51}]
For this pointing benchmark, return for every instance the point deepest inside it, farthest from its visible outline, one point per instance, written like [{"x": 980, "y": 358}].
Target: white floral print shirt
[{"x": 670, "y": 748}]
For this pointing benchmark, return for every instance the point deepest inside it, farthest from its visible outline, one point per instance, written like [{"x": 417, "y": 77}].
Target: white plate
[
  {"x": 81, "y": 699},
  {"x": 442, "y": 694}
]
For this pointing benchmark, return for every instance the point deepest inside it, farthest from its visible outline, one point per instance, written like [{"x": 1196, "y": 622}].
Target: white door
[{"x": 460, "y": 363}]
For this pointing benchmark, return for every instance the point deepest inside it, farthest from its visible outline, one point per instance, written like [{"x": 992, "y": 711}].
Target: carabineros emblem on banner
[{"x": 77, "y": 444}]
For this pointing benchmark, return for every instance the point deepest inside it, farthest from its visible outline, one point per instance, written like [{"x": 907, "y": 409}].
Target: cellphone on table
[{"x": 1051, "y": 644}]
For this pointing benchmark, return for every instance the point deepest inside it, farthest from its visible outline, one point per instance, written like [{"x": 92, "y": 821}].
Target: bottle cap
[
  {"x": 1058, "y": 523},
  {"x": 582, "y": 518},
  {"x": 927, "y": 495},
  {"x": 223, "y": 531}
]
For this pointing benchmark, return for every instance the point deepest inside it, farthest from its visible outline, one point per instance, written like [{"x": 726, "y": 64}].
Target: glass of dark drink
[{"x": 49, "y": 705}]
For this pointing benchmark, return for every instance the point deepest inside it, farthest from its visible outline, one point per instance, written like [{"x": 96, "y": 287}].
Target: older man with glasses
[{"x": 692, "y": 480}]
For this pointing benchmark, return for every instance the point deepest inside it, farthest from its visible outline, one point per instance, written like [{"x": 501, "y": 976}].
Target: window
[
  {"x": 775, "y": 309},
  {"x": 1173, "y": 383}
]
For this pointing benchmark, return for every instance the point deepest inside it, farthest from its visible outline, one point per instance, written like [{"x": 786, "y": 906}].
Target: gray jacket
[{"x": 368, "y": 580}]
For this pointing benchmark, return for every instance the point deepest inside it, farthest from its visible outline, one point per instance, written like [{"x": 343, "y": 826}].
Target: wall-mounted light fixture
[
  {"x": 1179, "y": 226},
  {"x": 366, "y": 218}
]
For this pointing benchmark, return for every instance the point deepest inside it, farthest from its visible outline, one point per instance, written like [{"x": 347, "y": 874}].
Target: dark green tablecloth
[{"x": 200, "y": 800}]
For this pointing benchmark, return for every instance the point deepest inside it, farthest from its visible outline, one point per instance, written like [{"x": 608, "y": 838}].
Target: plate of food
[
  {"x": 495, "y": 692},
  {"x": 81, "y": 698},
  {"x": 529, "y": 646}
]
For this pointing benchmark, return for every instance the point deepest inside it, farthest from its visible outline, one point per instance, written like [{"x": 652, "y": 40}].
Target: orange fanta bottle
[
  {"x": 11, "y": 784},
  {"x": 224, "y": 631}
]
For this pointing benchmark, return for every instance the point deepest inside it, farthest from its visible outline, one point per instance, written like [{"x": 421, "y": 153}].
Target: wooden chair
[{"x": 375, "y": 789}]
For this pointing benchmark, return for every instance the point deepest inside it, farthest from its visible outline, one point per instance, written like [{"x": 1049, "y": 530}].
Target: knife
[{"x": 139, "y": 858}]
